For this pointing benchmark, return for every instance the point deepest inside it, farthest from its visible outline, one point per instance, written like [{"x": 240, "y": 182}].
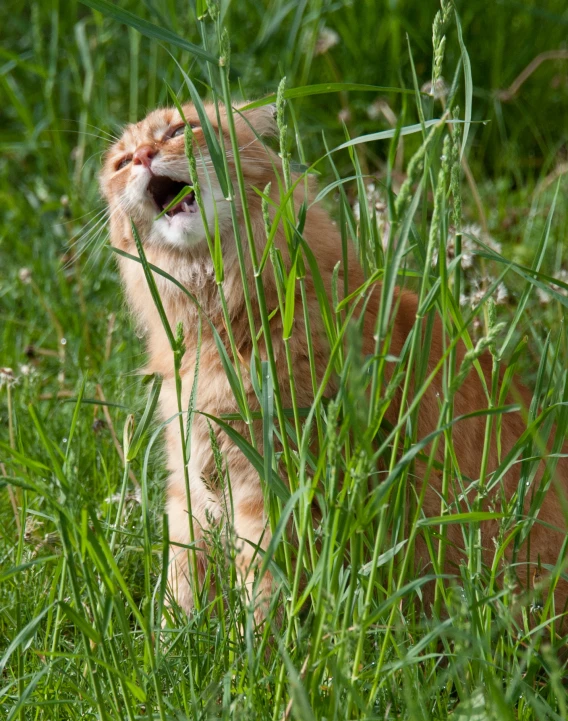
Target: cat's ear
[{"x": 262, "y": 120}]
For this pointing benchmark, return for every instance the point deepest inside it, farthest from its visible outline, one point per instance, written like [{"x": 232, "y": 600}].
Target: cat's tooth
[{"x": 185, "y": 207}]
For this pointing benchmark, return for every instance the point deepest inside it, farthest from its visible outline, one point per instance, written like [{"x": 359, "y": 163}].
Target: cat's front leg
[
  {"x": 187, "y": 555},
  {"x": 249, "y": 522}
]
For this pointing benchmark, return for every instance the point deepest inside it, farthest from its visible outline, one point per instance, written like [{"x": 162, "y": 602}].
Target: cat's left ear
[{"x": 262, "y": 120}]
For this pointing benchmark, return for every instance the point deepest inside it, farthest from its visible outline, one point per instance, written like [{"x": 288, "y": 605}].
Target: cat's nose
[{"x": 143, "y": 155}]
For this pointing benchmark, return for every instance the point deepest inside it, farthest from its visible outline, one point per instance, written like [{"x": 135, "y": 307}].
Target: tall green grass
[{"x": 84, "y": 541}]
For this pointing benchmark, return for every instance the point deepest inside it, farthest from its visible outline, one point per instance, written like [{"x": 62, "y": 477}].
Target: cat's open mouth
[{"x": 163, "y": 190}]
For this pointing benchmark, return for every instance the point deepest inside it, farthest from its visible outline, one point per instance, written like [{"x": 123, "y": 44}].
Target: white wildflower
[
  {"x": 562, "y": 275},
  {"x": 381, "y": 107},
  {"x": 374, "y": 110},
  {"x": 377, "y": 205},
  {"x": 7, "y": 378},
  {"x": 466, "y": 260},
  {"x": 502, "y": 294},
  {"x": 33, "y": 525},
  {"x": 479, "y": 287},
  {"x": 438, "y": 91},
  {"x": 134, "y": 497},
  {"x": 327, "y": 39},
  {"x": 25, "y": 275},
  {"x": 475, "y": 296},
  {"x": 115, "y": 498},
  {"x": 357, "y": 210},
  {"x": 545, "y": 296},
  {"x": 41, "y": 191},
  {"x": 470, "y": 234}
]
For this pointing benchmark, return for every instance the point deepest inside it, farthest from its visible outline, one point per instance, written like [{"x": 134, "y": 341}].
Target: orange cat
[{"x": 142, "y": 173}]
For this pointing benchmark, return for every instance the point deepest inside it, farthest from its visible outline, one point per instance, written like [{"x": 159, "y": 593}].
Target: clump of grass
[{"x": 83, "y": 580}]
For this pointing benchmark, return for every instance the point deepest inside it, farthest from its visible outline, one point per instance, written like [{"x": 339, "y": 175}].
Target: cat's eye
[
  {"x": 123, "y": 163},
  {"x": 176, "y": 132}
]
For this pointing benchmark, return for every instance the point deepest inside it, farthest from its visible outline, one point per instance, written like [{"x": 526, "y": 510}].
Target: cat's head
[{"x": 147, "y": 168}]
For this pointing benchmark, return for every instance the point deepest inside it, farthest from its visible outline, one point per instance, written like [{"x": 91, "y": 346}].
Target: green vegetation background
[{"x": 68, "y": 78}]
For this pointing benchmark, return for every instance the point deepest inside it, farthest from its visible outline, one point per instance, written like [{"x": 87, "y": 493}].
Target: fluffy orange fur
[{"x": 155, "y": 147}]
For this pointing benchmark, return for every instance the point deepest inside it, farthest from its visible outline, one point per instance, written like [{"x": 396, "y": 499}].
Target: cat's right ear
[{"x": 262, "y": 120}]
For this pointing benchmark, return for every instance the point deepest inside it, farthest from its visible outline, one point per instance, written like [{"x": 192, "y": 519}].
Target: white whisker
[{"x": 111, "y": 136}]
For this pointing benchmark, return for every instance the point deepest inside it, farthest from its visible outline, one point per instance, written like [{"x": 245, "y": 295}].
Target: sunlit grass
[{"x": 83, "y": 537}]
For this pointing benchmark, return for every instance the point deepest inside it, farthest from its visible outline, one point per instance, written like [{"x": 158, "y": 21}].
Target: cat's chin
[{"x": 183, "y": 230}]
